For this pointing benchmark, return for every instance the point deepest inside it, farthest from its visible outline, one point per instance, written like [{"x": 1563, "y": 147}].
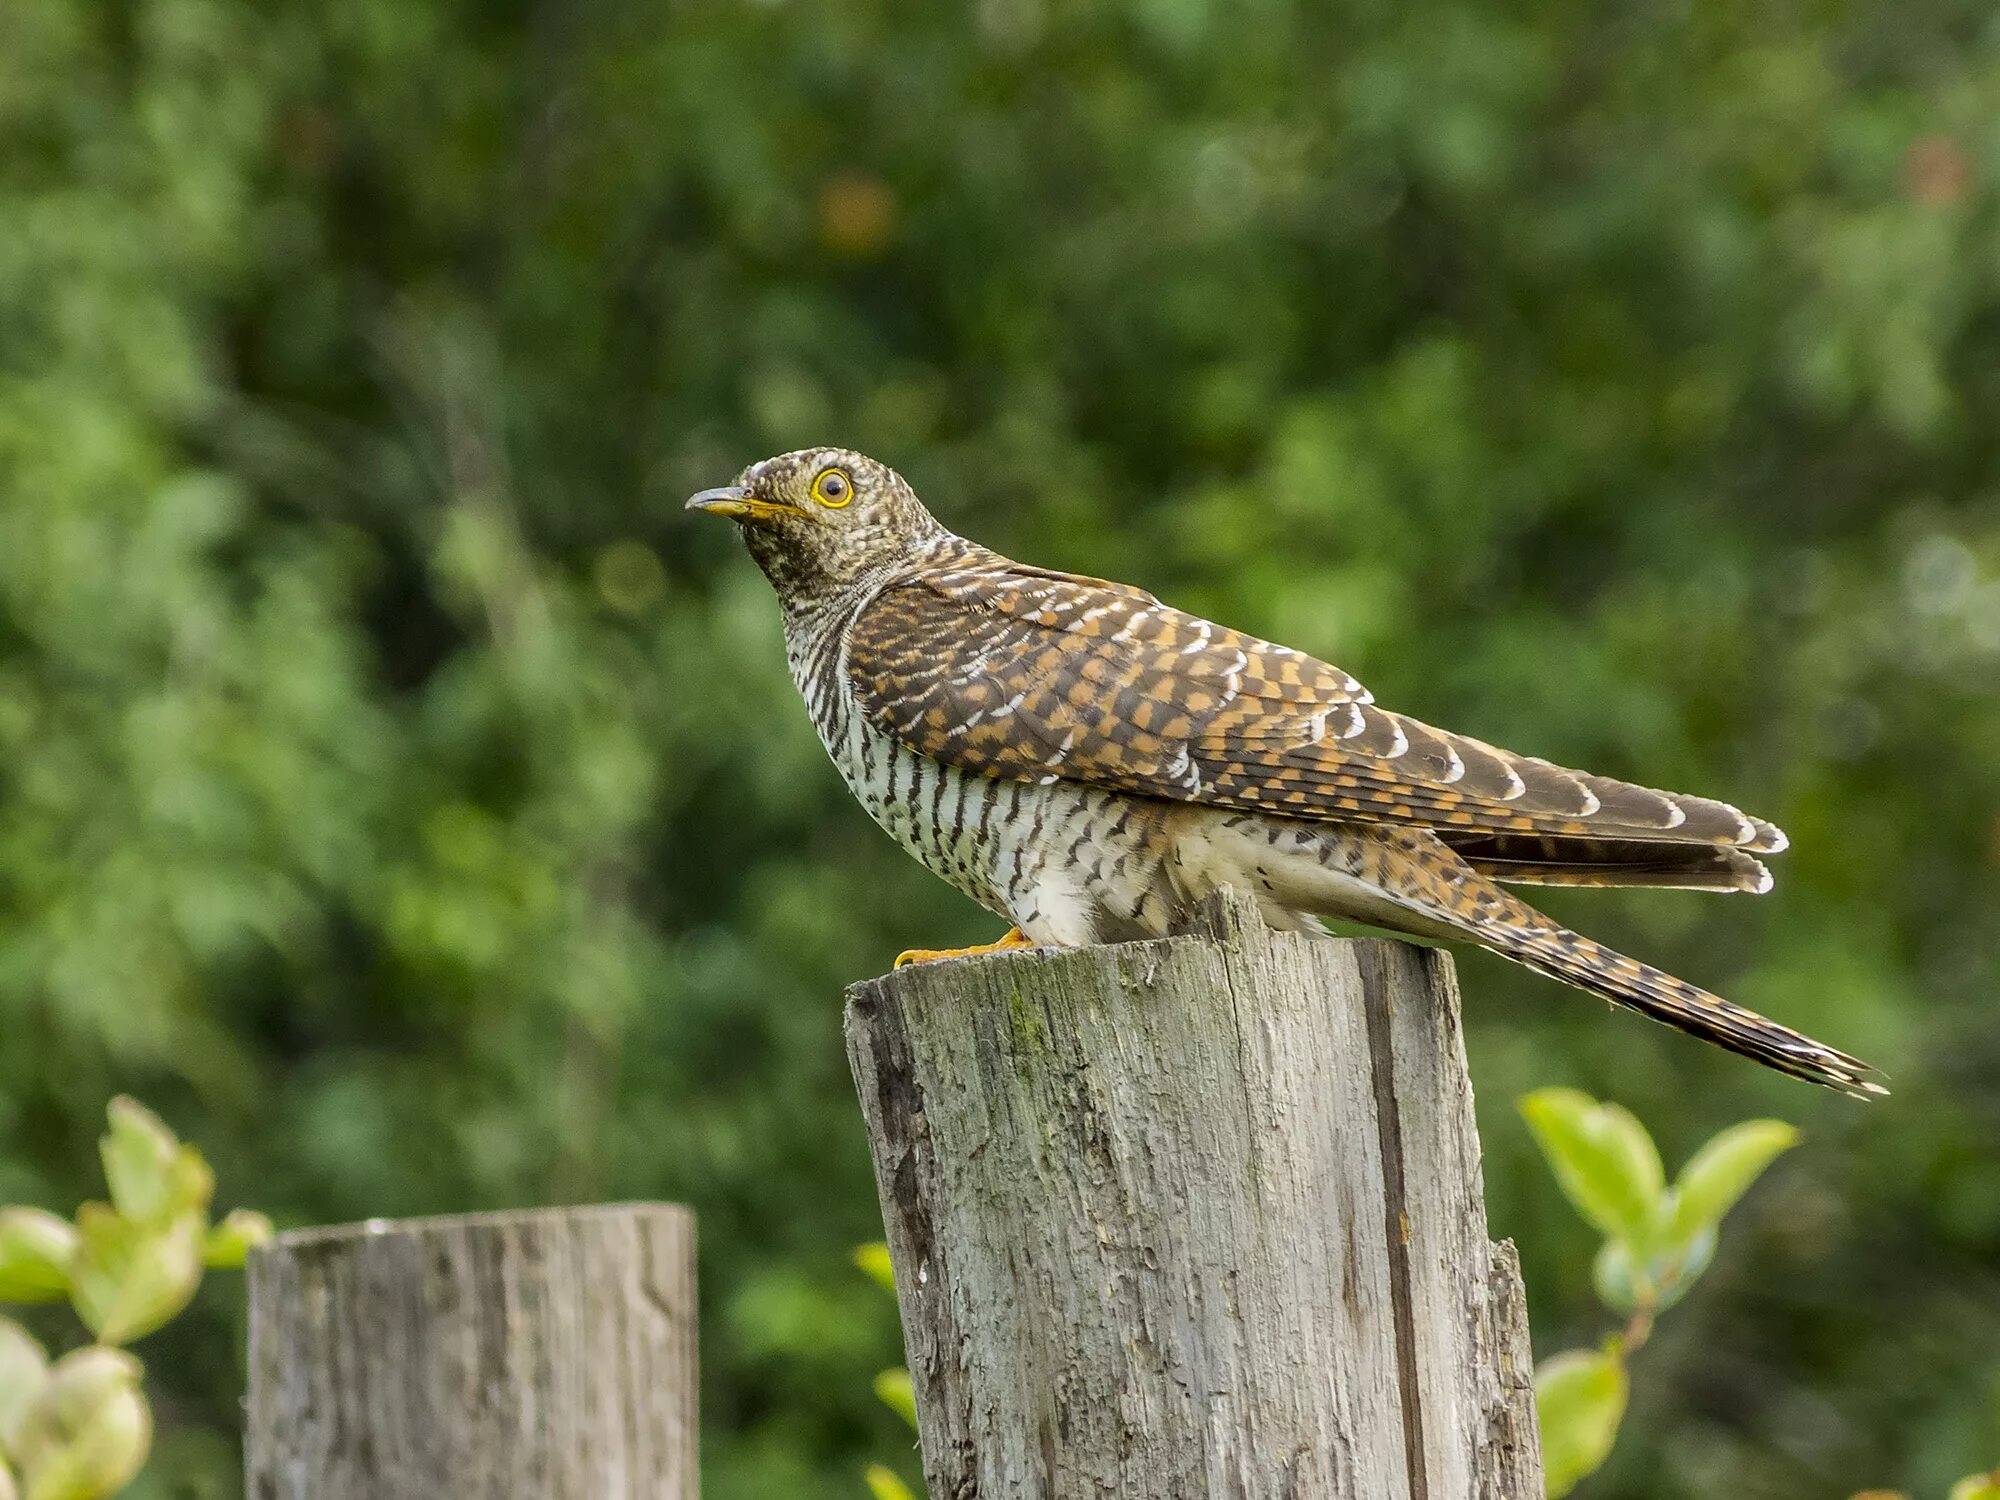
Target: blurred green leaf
[
  {"x": 1663, "y": 1279},
  {"x": 130, "y": 1278},
  {"x": 1603, "y": 1159},
  {"x": 1618, "y": 1281},
  {"x": 1977, "y": 1487},
  {"x": 24, "y": 1372},
  {"x": 37, "y": 1250},
  {"x": 894, "y": 1389},
  {"x": 231, "y": 1241},
  {"x": 886, "y": 1484},
  {"x": 88, "y": 1433},
  {"x": 1722, "y": 1170},
  {"x": 874, "y": 1260},
  {"x": 1678, "y": 1268},
  {"x": 1579, "y": 1402},
  {"x": 138, "y": 1152},
  {"x": 152, "y": 1176},
  {"x": 190, "y": 1184}
]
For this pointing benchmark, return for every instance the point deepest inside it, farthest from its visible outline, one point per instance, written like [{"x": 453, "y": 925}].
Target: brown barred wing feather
[{"x": 1034, "y": 675}]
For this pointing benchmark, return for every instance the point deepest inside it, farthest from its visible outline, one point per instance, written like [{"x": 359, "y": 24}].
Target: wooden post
[
  {"x": 518, "y": 1356},
  {"x": 1199, "y": 1217}
]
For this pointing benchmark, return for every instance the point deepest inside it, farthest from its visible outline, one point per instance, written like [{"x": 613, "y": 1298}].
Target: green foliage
[
  {"x": 1658, "y": 1241},
  {"x": 79, "y": 1428},
  {"x": 24, "y": 1373},
  {"x": 1721, "y": 1172},
  {"x": 229, "y": 1242},
  {"x": 131, "y": 1276},
  {"x": 1579, "y": 1402},
  {"x": 1604, "y": 1159},
  {"x": 87, "y": 1429},
  {"x": 37, "y": 1254}
]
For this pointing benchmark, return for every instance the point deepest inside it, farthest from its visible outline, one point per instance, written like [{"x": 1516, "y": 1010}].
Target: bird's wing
[{"x": 1018, "y": 672}]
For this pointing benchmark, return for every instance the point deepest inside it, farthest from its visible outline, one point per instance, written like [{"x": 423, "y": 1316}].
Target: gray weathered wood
[
  {"x": 1199, "y": 1217},
  {"x": 518, "y": 1356}
]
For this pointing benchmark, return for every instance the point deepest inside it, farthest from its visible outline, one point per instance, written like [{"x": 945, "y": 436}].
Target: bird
[{"x": 1090, "y": 764}]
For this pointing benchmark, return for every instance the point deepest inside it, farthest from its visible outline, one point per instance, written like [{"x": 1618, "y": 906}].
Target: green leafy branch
[
  {"x": 1658, "y": 1239},
  {"x": 78, "y": 1427}
]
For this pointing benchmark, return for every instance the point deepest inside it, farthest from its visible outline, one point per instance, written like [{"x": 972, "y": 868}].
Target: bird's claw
[{"x": 1009, "y": 941}]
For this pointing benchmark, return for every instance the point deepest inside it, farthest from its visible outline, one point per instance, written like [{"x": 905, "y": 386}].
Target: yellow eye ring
[{"x": 832, "y": 488}]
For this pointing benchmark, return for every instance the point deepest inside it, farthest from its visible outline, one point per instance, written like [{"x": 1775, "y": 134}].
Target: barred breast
[{"x": 1067, "y": 864}]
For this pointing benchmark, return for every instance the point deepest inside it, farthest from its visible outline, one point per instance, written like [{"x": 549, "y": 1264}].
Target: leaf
[
  {"x": 190, "y": 1183},
  {"x": 1678, "y": 1269},
  {"x": 130, "y": 1278},
  {"x": 229, "y": 1243},
  {"x": 138, "y": 1153},
  {"x": 36, "y": 1252},
  {"x": 1625, "y": 1285},
  {"x": 1618, "y": 1281},
  {"x": 24, "y": 1372},
  {"x": 1579, "y": 1402},
  {"x": 1721, "y": 1171},
  {"x": 885, "y": 1484},
  {"x": 1977, "y": 1487},
  {"x": 873, "y": 1258},
  {"x": 896, "y": 1392},
  {"x": 89, "y": 1432},
  {"x": 151, "y": 1174},
  {"x": 1603, "y": 1159},
  {"x": 103, "y": 1456}
]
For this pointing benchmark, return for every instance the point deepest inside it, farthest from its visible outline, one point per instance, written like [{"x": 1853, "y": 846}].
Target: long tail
[
  {"x": 1554, "y": 950},
  {"x": 1410, "y": 880}
]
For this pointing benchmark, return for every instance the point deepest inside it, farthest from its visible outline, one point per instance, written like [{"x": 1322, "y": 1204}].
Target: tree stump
[
  {"x": 547, "y": 1355},
  {"x": 1197, "y": 1217}
]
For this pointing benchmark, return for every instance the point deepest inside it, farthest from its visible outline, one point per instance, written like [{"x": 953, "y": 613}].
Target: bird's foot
[{"x": 1011, "y": 939}]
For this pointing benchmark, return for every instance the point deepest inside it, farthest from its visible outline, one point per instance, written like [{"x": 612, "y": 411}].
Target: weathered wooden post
[
  {"x": 1200, "y": 1217},
  {"x": 547, "y": 1355}
]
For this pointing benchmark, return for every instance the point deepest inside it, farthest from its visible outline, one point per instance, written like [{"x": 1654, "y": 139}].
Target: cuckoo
[{"x": 1089, "y": 764}]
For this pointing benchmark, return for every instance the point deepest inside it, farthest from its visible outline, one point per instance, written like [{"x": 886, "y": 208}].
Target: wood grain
[
  {"x": 1199, "y": 1217},
  {"x": 547, "y": 1355}
]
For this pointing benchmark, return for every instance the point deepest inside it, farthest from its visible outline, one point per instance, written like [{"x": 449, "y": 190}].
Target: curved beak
[{"x": 736, "y": 502}]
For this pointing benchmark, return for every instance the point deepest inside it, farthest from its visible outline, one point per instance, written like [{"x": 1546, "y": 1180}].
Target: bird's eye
[{"x": 833, "y": 488}]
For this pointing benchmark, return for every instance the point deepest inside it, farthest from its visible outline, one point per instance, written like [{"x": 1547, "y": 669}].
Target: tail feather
[
  {"x": 1561, "y": 954},
  {"x": 1415, "y": 881},
  {"x": 1543, "y": 859}
]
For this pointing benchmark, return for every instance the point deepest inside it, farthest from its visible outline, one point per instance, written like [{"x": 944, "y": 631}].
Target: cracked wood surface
[
  {"x": 1199, "y": 1217},
  {"x": 545, "y": 1355}
]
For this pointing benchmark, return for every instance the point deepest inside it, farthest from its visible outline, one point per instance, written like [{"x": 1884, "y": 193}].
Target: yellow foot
[{"x": 1012, "y": 939}]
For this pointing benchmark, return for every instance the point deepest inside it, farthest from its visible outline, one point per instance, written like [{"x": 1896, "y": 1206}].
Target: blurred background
[{"x": 403, "y": 797}]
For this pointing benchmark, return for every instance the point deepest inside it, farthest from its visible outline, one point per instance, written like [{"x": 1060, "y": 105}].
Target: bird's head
[{"x": 821, "y": 519}]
